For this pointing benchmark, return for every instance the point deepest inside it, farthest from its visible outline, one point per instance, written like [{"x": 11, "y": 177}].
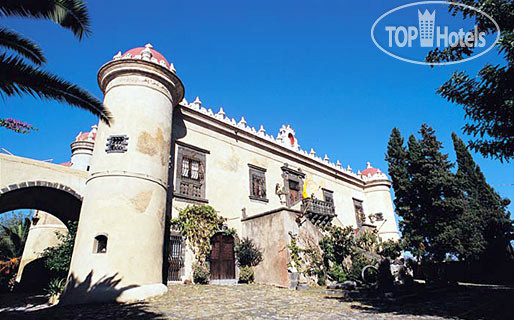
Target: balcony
[{"x": 319, "y": 212}]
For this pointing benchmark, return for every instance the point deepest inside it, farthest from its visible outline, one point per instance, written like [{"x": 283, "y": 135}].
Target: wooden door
[{"x": 222, "y": 258}]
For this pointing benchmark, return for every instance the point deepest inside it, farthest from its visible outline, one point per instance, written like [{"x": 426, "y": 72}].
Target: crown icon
[{"x": 426, "y": 28}]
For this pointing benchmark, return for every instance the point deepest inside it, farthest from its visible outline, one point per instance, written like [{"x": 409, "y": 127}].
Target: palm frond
[
  {"x": 25, "y": 47},
  {"x": 70, "y": 14},
  {"x": 20, "y": 78}
]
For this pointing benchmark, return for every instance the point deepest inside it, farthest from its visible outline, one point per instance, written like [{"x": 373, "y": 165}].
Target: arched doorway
[{"x": 222, "y": 258}]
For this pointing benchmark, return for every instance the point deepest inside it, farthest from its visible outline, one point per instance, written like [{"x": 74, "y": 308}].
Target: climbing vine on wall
[
  {"x": 198, "y": 224},
  {"x": 306, "y": 259}
]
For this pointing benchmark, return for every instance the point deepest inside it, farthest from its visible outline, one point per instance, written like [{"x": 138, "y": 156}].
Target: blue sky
[{"x": 309, "y": 64}]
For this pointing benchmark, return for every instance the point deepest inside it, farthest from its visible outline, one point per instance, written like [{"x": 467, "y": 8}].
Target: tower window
[
  {"x": 100, "y": 245},
  {"x": 117, "y": 144}
]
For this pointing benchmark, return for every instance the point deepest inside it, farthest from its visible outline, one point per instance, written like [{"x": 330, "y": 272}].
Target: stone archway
[
  {"x": 56, "y": 206},
  {"x": 61, "y": 201}
]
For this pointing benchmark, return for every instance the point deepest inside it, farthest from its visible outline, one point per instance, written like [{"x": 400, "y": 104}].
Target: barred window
[
  {"x": 195, "y": 169},
  {"x": 190, "y": 168},
  {"x": 257, "y": 183},
  {"x": 185, "y": 168}
]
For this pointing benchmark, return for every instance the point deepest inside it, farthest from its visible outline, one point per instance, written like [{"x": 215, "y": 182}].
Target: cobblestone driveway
[
  {"x": 221, "y": 302},
  {"x": 258, "y": 302}
]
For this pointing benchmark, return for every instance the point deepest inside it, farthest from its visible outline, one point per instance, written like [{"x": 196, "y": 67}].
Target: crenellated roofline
[{"x": 283, "y": 146}]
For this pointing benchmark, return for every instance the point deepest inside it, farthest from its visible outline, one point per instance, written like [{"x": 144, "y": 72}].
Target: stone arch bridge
[{"x": 32, "y": 184}]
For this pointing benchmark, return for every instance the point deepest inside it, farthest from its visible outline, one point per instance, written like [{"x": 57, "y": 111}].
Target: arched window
[{"x": 100, "y": 245}]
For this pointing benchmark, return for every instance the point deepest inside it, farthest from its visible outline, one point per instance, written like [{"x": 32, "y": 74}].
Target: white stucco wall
[{"x": 227, "y": 175}]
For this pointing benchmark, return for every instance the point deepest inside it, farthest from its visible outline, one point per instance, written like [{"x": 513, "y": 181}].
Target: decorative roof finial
[
  {"x": 326, "y": 159},
  {"x": 172, "y": 67},
  {"x": 221, "y": 113},
  {"x": 368, "y": 165},
  {"x": 338, "y": 164},
  {"x": 349, "y": 168},
  {"x": 184, "y": 102},
  {"x": 146, "y": 53},
  {"x": 197, "y": 101},
  {"x": 117, "y": 56},
  {"x": 312, "y": 153},
  {"x": 242, "y": 122},
  {"x": 261, "y": 130}
]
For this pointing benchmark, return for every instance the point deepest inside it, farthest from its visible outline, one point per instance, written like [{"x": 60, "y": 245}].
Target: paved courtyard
[{"x": 265, "y": 302}]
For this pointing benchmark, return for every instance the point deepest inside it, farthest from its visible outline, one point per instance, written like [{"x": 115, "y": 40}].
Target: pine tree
[
  {"x": 428, "y": 199},
  {"x": 487, "y": 97},
  {"x": 486, "y": 221},
  {"x": 439, "y": 197},
  {"x": 396, "y": 156}
]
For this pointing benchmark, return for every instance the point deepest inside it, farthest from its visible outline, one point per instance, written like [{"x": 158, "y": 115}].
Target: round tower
[
  {"x": 118, "y": 252},
  {"x": 82, "y": 149},
  {"x": 378, "y": 203}
]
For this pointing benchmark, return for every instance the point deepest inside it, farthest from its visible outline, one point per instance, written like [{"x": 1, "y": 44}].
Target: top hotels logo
[
  {"x": 412, "y": 42},
  {"x": 426, "y": 28}
]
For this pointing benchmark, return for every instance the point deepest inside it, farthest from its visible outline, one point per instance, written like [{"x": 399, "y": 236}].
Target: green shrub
[
  {"x": 391, "y": 249},
  {"x": 336, "y": 272},
  {"x": 56, "y": 286},
  {"x": 201, "y": 272},
  {"x": 246, "y": 274},
  {"x": 359, "y": 261},
  {"x": 247, "y": 253},
  {"x": 58, "y": 258}
]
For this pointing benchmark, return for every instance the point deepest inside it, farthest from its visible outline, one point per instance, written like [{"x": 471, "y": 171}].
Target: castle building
[{"x": 162, "y": 154}]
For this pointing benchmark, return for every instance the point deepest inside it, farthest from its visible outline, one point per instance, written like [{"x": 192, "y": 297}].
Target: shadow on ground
[
  {"x": 138, "y": 310},
  {"x": 470, "y": 302},
  {"x": 17, "y": 306}
]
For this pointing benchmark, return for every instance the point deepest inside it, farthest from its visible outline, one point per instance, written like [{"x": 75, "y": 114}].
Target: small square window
[{"x": 117, "y": 144}]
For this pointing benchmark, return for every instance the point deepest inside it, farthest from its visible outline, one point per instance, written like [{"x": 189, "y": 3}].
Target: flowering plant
[{"x": 17, "y": 125}]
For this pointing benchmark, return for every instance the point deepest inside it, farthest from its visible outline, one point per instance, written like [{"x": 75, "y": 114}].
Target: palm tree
[
  {"x": 13, "y": 235},
  {"x": 20, "y": 72}
]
